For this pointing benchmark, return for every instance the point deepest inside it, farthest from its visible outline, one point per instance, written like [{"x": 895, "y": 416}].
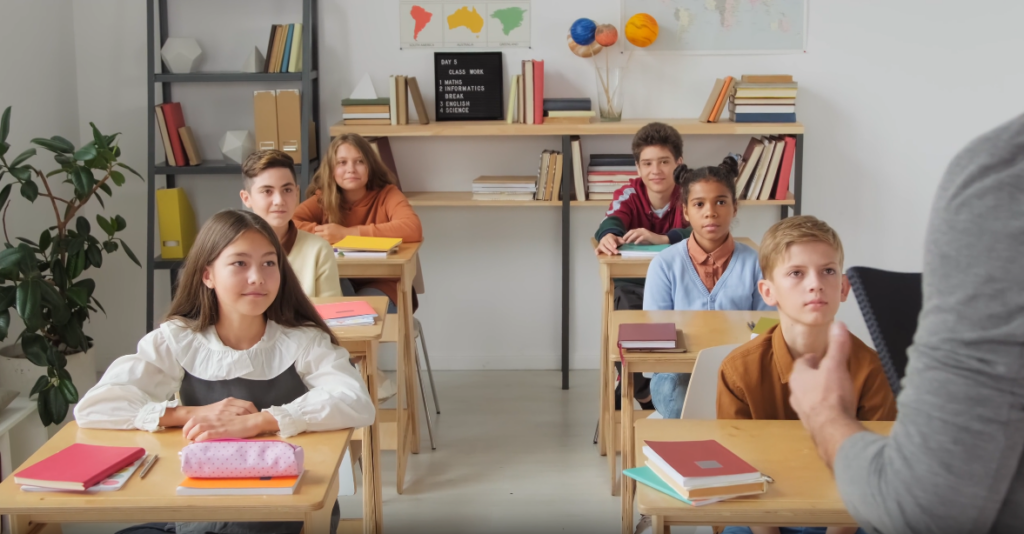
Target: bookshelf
[
  {"x": 308, "y": 80},
  {"x": 792, "y": 204}
]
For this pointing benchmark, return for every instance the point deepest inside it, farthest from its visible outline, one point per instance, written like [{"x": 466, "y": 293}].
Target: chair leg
[
  {"x": 423, "y": 396},
  {"x": 426, "y": 359}
]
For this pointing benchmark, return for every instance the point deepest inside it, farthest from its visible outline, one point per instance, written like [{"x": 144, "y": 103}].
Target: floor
[{"x": 514, "y": 454}]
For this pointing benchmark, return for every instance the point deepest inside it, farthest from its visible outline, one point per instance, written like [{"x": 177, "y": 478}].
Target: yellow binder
[
  {"x": 368, "y": 244},
  {"x": 177, "y": 223}
]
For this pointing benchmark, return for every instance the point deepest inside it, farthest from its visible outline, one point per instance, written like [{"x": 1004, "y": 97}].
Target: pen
[{"x": 145, "y": 468}]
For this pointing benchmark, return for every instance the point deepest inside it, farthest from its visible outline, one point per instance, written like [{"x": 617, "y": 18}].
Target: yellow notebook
[
  {"x": 177, "y": 223},
  {"x": 762, "y": 326},
  {"x": 368, "y": 244}
]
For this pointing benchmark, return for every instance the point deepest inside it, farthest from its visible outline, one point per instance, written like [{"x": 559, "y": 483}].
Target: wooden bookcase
[
  {"x": 308, "y": 78},
  {"x": 564, "y": 131}
]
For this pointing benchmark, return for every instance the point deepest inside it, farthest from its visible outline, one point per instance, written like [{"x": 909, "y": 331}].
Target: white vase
[{"x": 19, "y": 374}]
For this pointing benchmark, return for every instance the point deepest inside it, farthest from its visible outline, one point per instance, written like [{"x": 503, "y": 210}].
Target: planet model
[
  {"x": 589, "y": 50},
  {"x": 606, "y": 35},
  {"x": 582, "y": 31},
  {"x": 641, "y": 30}
]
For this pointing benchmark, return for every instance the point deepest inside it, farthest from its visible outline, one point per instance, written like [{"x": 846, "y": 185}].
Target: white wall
[{"x": 889, "y": 92}]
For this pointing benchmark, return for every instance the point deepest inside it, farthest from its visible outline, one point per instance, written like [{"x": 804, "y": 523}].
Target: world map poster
[{"x": 439, "y": 25}]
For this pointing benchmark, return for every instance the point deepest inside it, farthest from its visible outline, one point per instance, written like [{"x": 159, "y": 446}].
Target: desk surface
[
  {"x": 804, "y": 492},
  {"x": 701, "y": 329},
  {"x": 406, "y": 252},
  {"x": 359, "y": 333},
  {"x": 323, "y": 453},
  {"x": 605, "y": 258}
]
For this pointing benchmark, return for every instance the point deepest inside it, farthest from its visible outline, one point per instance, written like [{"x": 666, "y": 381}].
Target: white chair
[{"x": 702, "y": 392}]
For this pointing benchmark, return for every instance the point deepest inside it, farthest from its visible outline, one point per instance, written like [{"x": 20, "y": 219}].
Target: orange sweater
[{"x": 383, "y": 213}]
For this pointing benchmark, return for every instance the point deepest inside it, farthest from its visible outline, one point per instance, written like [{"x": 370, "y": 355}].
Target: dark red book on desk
[
  {"x": 647, "y": 336},
  {"x": 699, "y": 463},
  {"x": 78, "y": 467}
]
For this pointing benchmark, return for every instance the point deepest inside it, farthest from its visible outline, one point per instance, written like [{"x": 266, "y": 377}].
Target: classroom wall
[{"x": 889, "y": 92}]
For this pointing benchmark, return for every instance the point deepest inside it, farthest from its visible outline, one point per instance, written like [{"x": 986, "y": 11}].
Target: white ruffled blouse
[{"x": 137, "y": 389}]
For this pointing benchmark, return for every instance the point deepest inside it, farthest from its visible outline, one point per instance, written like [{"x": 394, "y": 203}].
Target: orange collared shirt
[
  {"x": 710, "y": 266},
  {"x": 753, "y": 382}
]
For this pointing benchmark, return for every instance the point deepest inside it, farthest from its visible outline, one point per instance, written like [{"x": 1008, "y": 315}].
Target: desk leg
[
  {"x": 411, "y": 380},
  {"x": 401, "y": 408},
  {"x": 372, "y": 498},
  {"x": 605, "y": 416},
  {"x": 611, "y": 439},
  {"x": 658, "y": 525},
  {"x": 320, "y": 520},
  {"x": 626, "y": 485}
]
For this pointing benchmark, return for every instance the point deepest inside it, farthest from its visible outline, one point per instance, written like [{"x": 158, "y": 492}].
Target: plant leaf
[
  {"x": 29, "y": 303},
  {"x": 130, "y": 254},
  {"x": 35, "y": 348},
  {"x": 51, "y": 145},
  {"x": 76, "y": 246},
  {"x": 5, "y": 322},
  {"x": 23, "y": 174},
  {"x": 9, "y": 260},
  {"x": 88, "y": 284},
  {"x": 110, "y": 246},
  {"x": 41, "y": 383},
  {"x": 72, "y": 334},
  {"x": 43, "y": 403},
  {"x": 68, "y": 390},
  {"x": 58, "y": 406},
  {"x": 4, "y": 193},
  {"x": 82, "y": 225},
  {"x": 7, "y": 294},
  {"x": 58, "y": 273},
  {"x": 29, "y": 190},
  {"x": 76, "y": 264},
  {"x": 105, "y": 225},
  {"x": 105, "y": 187},
  {"x": 44, "y": 241},
  {"x": 99, "y": 305},
  {"x": 123, "y": 166},
  {"x": 87, "y": 152},
  {"x": 94, "y": 255},
  {"x": 59, "y": 311},
  {"x": 77, "y": 295},
  {"x": 97, "y": 138},
  {"x": 117, "y": 178},
  {"x": 5, "y": 124},
  {"x": 120, "y": 223},
  {"x": 22, "y": 157}
]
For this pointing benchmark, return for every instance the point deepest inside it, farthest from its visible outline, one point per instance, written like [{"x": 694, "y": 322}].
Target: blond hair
[
  {"x": 331, "y": 199},
  {"x": 261, "y": 160},
  {"x": 791, "y": 230}
]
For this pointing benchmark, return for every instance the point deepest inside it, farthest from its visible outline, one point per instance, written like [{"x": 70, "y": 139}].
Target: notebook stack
[
  {"x": 284, "y": 50},
  {"x": 81, "y": 468},
  {"x": 366, "y": 110},
  {"x": 549, "y": 176},
  {"x": 505, "y": 188},
  {"x": 568, "y": 110},
  {"x": 766, "y": 168},
  {"x": 764, "y": 98},
  {"x": 697, "y": 472},
  {"x": 338, "y": 314},
  {"x": 367, "y": 247},
  {"x": 607, "y": 173},
  {"x": 239, "y": 486}
]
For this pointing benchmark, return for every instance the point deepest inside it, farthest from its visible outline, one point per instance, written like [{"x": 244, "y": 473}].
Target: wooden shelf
[
  {"x": 465, "y": 199},
  {"x": 626, "y": 127}
]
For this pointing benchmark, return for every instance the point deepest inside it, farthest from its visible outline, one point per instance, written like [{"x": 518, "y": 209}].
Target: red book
[
  {"x": 78, "y": 467},
  {"x": 343, "y": 310},
  {"x": 697, "y": 461},
  {"x": 782, "y": 189},
  {"x": 647, "y": 336},
  {"x": 538, "y": 91},
  {"x": 175, "y": 119}
]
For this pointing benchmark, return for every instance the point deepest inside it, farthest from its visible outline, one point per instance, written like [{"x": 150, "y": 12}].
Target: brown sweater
[{"x": 383, "y": 213}]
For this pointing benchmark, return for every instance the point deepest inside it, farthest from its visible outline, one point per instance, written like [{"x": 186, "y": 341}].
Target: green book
[
  {"x": 386, "y": 101},
  {"x": 646, "y": 476},
  {"x": 630, "y": 250},
  {"x": 762, "y": 326}
]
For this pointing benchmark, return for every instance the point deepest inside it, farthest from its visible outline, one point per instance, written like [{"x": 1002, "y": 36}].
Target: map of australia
[
  {"x": 465, "y": 18},
  {"x": 422, "y": 17},
  {"x": 510, "y": 18}
]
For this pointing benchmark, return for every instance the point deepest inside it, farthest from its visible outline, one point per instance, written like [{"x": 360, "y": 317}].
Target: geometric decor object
[
  {"x": 253, "y": 63},
  {"x": 181, "y": 54},
  {"x": 236, "y": 145},
  {"x": 364, "y": 89}
]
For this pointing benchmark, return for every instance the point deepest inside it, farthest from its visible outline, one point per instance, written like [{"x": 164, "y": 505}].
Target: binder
[
  {"x": 265, "y": 117},
  {"x": 177, "y": 223}
]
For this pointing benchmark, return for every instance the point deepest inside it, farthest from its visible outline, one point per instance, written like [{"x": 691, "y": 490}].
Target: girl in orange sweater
[{"x": 353, "y": 193}]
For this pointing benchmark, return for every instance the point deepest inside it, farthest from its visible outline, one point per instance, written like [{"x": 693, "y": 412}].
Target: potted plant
[{"x": 42, "y": 279}]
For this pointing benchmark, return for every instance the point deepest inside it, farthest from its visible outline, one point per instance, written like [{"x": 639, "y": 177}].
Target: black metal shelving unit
[{"x": 309, "y": 80}]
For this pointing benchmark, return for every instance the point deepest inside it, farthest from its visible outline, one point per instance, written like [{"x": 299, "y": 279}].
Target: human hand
[
  {"x": 334, "y": 232},
  {"x": 207, "y": 427},
  {"x": 609, "y": 245},
  {"x": 643, "y": 236},
  {"x": 229, "y": 407}
]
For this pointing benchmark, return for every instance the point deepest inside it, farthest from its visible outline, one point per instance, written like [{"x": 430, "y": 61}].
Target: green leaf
[
  {"x": 22, "y": 157},
  {"x": 59, "y": 311},
  {"x": 35, "y": 348},
  {"x": 5, "y": 124},
  {"x": 117, "y": 178},
  {"x": 95, "y": 256},
  {"x": 87, "y": 284},
  {"x": 57, "y": 359},
  {"x": 27, "y": 265},
  {"x": 120, "y": 223},
  {"x": 71, "y": 334},
  {"x": 45, "y": 240},
  {"x": 22, "y": 173},
  {"x": 100, "y": 305},
  {"x": 7, "y": 294},
  {"x": 58, "y": 405},
  {"x": 5, "y": 322},
  {"x": 4, "y": 147},
  {"x": 76, "y": 264},
  {"x": 82, "y": 225},
  {"x": 97, "y": 138},
  {"x": 43, "y": 403},
  {"x": 80, "y": 179},
  {"x": 27, "y": 241},
  {"x": 105, "y": 187},
  {"x": 110, "y": 246},
  {"x": 9, "y": 260},
  {"x": 4, "y": 193},
  {"x": 52, "y": 145},
  {"x": 76, "y": 246},
  {"x": 58, "y": 273},
  {"x": 130, "y": 254},
  {"x": 105, "y": 225},
  {"x": 77, "y": 295},
  {"x": 29, "y": 190},
  {"x": 123, "y": 166},
  {"x": 41, "y": 383},
  {"x": 29, "y": 303},
  {"x": 87, "y": 152},
  {"x": 68, "y": 390}
]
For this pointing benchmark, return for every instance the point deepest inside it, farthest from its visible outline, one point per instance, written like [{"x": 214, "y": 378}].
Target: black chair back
[{"x": 890, "y": 303}]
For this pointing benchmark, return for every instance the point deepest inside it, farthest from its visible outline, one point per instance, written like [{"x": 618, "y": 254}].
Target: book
[
  {"x": 773, "y": 169},
  {"x": 549, "y": 180},
  {"x": 647, "y": 335},
  {"x": 354, "y": 313},
  {"x": 510, "y": 114},
  {"x": 699, "y": 464},
  {"x": 762, "y": 326},
  {"x": 282, "y": 33},
  {"x": 761, "y": 109},
  {"x": 113, "y": 482},
  {"x": 542, "y": 173},
  {"x": 286, "y": 55},
  {"x": 747, "y": 165},
  {"x": 382, "y": 101},
  {"x": 785, "y": 170},
  {"x": 577, "y": 168},
  {"x": 746, "y": 90},
  {"x": 538, "y": 91},
  {"x": 599, "y": 196},
  {"x": 521, "y": 104},
  {"x": 632, "y": 250},
  {"x": 720, "y": 106},
  {"x": 503, "y": 196},
  {"x": 393, "y": 102},
  {"x": 175, "y": 120},
  {"x": 647, "y": 477},
  {"x": 270, "y": 47},
  {"x": 615, "y": 169},
  {"x": 417, "y": 101},
  {"x": 484, "y": 184},
  {"x": 296, "y": 47},
  {"x": 191, "y": 148},
  {"x": 567, "y": 104},
  {"x": 368, "y": 244},
  {"x": 567, "y": 120},
  {"x": 612, "y": 159},
  {"x": 366, "y": 116},
  {"x": 762, "y": 168},
  {"x": 679, "y": 347},
  {"x": 530, "y": 88},
  {"x": 565, "y": 114},
  {"x": 239, "y": 486},
  {"x": 161, "y": 123},
  {"x": 403, "y": 100},
  {"x": 556, "y": 177},
  {"x": 761, "y": 101},
  {"x": 370, "y": 122},
  {"x": 752, "y": 487},
  {"x": 386, "y": 109},
  {"x": 78, "y": 466},
  {"x": 764, "y": 117},
  {"x": 709, "y": 106},
  {"x": 767, "y": 78}
]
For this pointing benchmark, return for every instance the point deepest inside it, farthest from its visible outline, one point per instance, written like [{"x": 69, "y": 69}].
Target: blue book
[
  {"x": 288, "y": 50},
  {"x": 630, "y": 250},
  {"x": 764, "y": 117}
]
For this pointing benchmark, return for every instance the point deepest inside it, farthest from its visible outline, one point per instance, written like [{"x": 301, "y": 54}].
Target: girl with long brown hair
[{"x": 244, "y": 348}]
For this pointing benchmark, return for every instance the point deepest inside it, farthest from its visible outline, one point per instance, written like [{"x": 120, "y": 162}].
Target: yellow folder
[
  {"x": 177, "y": 223},
  {"x": 368, "y": 244}
]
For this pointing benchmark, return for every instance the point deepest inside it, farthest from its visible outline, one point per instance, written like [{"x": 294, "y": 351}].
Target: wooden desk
[
  {"x": 804, "y": 492},
  {"x": 154, "y": 499},
  {"x": 400, "y": 266},
  {"x": 612, "y": 267},
  {"x": 361, "y": 343},
  {"x": 701, "y": 330}
]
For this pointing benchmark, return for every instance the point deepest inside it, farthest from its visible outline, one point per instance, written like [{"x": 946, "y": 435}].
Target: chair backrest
[
  {"x": 890, "y": 303},
  {"x": 703, "y": 390}
]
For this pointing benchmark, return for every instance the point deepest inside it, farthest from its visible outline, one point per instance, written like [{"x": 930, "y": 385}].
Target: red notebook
[
  {"x": 538, "y": 91},
  {"x": 343, "y": 310},
  {"x": 782, "y": 190},
  {"x": 647, "y": 336},
  {"x": 175, "y": 119},
  {"x": 78, "y": 467},
  {"x": 696, "y": 461}
]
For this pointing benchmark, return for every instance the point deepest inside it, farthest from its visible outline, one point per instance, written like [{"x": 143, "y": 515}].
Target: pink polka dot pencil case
[{"x": 241, "y": 458}]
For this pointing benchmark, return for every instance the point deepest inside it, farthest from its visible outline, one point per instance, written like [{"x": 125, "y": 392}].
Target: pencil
[{"x": 145, "y": 468}]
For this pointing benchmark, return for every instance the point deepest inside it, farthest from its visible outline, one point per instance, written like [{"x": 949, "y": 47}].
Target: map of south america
[{"x": 422, "y": 17}]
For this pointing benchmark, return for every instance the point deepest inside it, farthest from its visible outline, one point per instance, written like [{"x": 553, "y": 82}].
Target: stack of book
[
  {"x": 697, "y": 472},
  {"x": 366, "y": 247},
  {"x": 81, "y": 468},
  {"x": 607, "y": 173},
  {"x": 766, "y": 168},
  {"x": 179, "y": 144},
  {"x": 505, "y": 188},
  {"x": 568, "y": 110},
  {"x": 366, "y": 110},
  {"x": 356, "y": 313},
  {"x": 284, "y": 50},
  {"x": 549, "y": 177},
  {"x": 526, "y": 94},
  {"x": 764, "y": 98}
]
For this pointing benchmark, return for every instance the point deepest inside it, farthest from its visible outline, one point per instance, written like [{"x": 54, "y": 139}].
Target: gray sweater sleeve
[{"x": 953, "y": 460}]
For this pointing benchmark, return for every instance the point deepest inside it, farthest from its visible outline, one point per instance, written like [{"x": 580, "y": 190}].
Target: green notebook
[
  {"x": 630, "y": 250},
  {"x": 762, "y": 326},
  {"x": 645, "y": 476}
]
